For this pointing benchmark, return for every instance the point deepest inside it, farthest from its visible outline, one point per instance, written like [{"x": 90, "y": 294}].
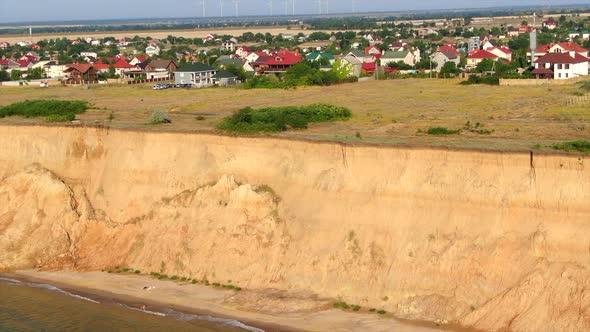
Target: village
[{"x": 554, "y": 49}]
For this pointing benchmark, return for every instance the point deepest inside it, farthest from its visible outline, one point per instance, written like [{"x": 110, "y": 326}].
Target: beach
[{"x": 203, "y": 300}]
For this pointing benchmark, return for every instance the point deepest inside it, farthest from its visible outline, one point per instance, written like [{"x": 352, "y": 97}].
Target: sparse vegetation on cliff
[
  {"x": 159, "y": 117},
  {"x": 276, "y": 119},
  {"x": 52, "y": 110}
]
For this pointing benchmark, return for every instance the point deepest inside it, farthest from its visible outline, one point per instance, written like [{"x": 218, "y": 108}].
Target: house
[
  {"x": 317, "y": 56},
  {"x": 526, "y": 29},
  {"x": 198, "y": 75},
  {"x": 242, "y": 51},
  {"x": 563, "y": 47},
  {"x": 403, "y": 56},
  {"x": 121, "y": 66},
  {"x": 372, "y": 51},
  {"x": 8, "y": 65},
  {"x": 229, "y": 46},
  {"x": 440, "y": 57},
  {"x": 474, "y": 44},
  {"x": 373, "y": 39},
  {"x": 152, "y": 50},
  {"x": 278, "y": 62},
  {"x": 79, "y": 73},
  {"x": 160, "y": 69},
  {"x": 209, "y": 37},
  {"x": 89, "y": 54},
  {"x": 477, "y": 56},
  {"x": 501, "y": 52},
  {"x": 369, "y": 68},
  {"x": 397, "y": 46},
  {"x": 550, "y": 24},
  {"x": 360, "y": 55},
  {"x": 426, "y": 32},
  {"x": 138, "y": 59},
  {"x": 55, "y": 70},
  {"x": 95, "y": 42},
  {"x": 224, "y": 78},
  {"x": 352, "y": 64},
  {"x": 561, "y": 65},
  {"x": 584, "y": 34},
  {"x": 4, "y": 45}
]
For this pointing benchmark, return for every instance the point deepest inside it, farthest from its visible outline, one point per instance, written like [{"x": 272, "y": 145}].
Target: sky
[{"x": 62, "y": 10}]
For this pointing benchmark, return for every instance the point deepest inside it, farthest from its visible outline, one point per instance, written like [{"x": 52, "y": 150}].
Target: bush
[
  {"x": 381, "y": 312},
  {"x": 276, "y": 119},
  {"x": 174, "y": 278},
  {"x": 372, "y": 310},
  {"x": 356, "y": 307},
  {"x": 162, "y": 276},
  {"x": 580, "y": 146},
  {"x": 53, "y": 110},
  {"x": 194, "y": 281},
  {"x": 159, "y": 117},
  {"x": 489, "y": 80},
  {"x": 137, "y": 272},
  {"x": 216, "y": 284},
  {"x": 441, "y": 131},
  {"x": 585, "y": 85}
]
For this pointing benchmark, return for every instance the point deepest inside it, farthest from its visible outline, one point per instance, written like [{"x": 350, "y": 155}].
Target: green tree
[
  {"x": 15, "y": 75},
  {"x": 449, "y": 69},
  {"x": 36, "y": 73},
  {"x": 4, "y": 76}
]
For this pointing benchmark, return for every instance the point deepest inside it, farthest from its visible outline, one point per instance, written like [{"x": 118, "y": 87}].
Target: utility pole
[
  {"x": 221, "y": 8},
  {"x": 236, "y": 7}
]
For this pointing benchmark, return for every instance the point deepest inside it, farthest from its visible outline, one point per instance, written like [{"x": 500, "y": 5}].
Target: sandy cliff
[{"x": 489, "y": 240}]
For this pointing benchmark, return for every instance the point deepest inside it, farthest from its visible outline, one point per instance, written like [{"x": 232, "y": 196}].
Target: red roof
[
  {"x": 369, "y": 48},
  {"x": 142, "y": 58},
  {"x": 568, "y": 46},
  {"x": 482, "y": 54},
  {"x": 448, "y": 48},
  {"x": 542, "y": 71},
  {"x": 101, "y": 66},
  {"x": 122, "y": 64},
  {"x": 561, "y": 58},
  {"x": 369, "y": 67},
  {"x": 504, "y": 50},
  {"x": 284, "y": 58},
  {"x": 4, "y": 62},
  {"x": 245, "y": 48},
  {"x": 82, "y": 68},
  {"x": 23, "y": 63}
]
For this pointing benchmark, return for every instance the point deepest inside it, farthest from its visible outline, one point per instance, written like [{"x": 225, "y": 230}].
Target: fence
[
  {"x": 163, "y": 79},
  {"x": 577, "y": 99}
]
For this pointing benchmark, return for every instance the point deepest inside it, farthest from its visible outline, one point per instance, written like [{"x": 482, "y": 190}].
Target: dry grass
[{"x": 385, "y": 112}]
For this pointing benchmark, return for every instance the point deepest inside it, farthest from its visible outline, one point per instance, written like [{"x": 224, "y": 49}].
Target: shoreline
[{"x": 202, "y": 301}]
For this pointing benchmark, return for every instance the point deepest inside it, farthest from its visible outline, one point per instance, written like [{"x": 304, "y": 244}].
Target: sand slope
[{"x": 489, "y": 240}]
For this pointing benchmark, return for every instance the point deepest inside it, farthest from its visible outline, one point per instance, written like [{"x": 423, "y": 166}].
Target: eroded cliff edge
[{"x": 489, "y": 240}]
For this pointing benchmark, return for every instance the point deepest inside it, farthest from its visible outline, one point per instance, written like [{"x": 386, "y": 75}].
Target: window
[
  {"x": 566, "y": 66},
  {"x": 559, "y": 75},
  {"x": 559, "y": 66},
  {"x": 566, "y": 75}
]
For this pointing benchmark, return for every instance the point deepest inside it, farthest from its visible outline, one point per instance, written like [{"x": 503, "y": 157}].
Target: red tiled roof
[
  {"x": 23, "y": 63},
  {"x": 542, "y": 71},
  {"x": 482, "y": 54},
  {"x": 4, "y": 62},
  {"x": 142, "y": 58},
  {"x": 369, "y": 48},
  {"x": 284, "y": 58},
  {"x": 504, "y": 50},
  {"x": 369, "y": 66},
  {"x": 568, "y": 46},
  {"x": 561, "y": 58},
  {"x": 448, "y": 48},
  {"x": 245, "y": 48},
  {"x": 101, "y": 66},
  {"x": 122, "y": 64},
  {"x": 82, "y": 68}
]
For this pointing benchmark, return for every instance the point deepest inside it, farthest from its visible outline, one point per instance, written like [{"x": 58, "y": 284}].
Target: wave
[
  {"x": 167, "y": 312},
  {"x": 231, "y": 322},
  {"x": 47, "y": 287}
]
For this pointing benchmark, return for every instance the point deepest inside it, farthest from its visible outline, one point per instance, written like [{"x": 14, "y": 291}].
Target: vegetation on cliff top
[
  {"x": 276, "y": 119},
  {"x": 580, "y": 146},
  {"x": 52, "y": 110}
]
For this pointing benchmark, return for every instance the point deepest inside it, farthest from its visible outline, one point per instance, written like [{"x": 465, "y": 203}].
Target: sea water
[{"x": 26, "y": 306}]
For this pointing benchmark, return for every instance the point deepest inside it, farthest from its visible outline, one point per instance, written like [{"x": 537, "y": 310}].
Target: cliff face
[{"x": 489, "y": 240}]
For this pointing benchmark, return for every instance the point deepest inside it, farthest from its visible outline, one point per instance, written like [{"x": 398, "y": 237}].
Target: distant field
[
  {"x": 384, "y": 112},
  {"x": 158, "y": 34}
]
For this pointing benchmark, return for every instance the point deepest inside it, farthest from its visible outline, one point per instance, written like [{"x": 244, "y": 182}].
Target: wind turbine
[
  {"x": 203, "y": 2},
  {"x": 319, "y": 7},
  {"x": 293, "y": 3},
  {"x": 270, "y": 7},
  {"x": 236, "y": 7},
  {"x": 221, "y": 8},
  {"x": 353, "y": 6}
]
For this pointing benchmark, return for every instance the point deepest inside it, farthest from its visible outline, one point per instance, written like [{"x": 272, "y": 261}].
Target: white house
[
  {"x": 229, "y": 46},
  {"x": 89, "y": 54},
  {"x": 583, "y": 34},
  {"x": 198, "y": 75},
  {"x": 561, "y": 66},
  {"x": 501, "y": 52},
  {"x": 443, "y": 56},
  {"x": 152, "y": 50}
]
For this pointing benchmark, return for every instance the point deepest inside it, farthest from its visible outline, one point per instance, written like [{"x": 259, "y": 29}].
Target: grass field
[{"x": 384, "y": 112}]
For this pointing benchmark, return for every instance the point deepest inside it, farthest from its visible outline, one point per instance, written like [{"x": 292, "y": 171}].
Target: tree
[
  {"x": 425, "y": 63},
  {"x": 4, "y": 76},
  {"x": 484, "y": 66},
  {"x": 238, "y": 71},
  {"x": 449, "y": 69},
  {"x": 36, "y": 73},
  {"x": 15, "y": 75}
]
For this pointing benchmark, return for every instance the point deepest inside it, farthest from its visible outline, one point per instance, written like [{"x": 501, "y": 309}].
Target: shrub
[
  {"x": 216, "y": 284},
  {"x": 238, "y": 289},
  {"x": 441, "y": 131},
  {"x": 183, "y": 279},
  {"x": 126, "y": 269},
  {"x": 489, "y": 80},
  {"x": 53, "y": 110},
  {"x": 159, "y": 117},
  {"x": 381, "y": 312},
  {"x": 200, "y": 118},
  {"x": 585, "y": 85},
  {"x": 174, "y": 278},
  {"x": 137, "y": 272},
  {"x": 155, "y": 274},
  {"x": 356, "y": 307},
  {"x": 276, "y": 119},
  {"x": 372, "y": 310},
  {"x": 580, "y": 146},
  {"x": 162, "y": 276},
  {"x": 194, "y": 281}
]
